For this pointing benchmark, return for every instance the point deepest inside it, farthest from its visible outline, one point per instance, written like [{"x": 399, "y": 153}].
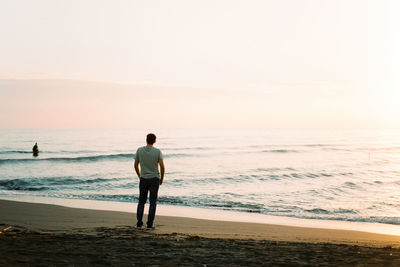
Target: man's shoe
[
  {"x": 150, "y": 228},
  {"x": 139, "y": 227}
]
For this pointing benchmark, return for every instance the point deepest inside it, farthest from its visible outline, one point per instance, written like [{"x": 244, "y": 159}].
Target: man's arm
[
  {"x": 137, "y": 168},
  {"x": 162, "y": 170}
]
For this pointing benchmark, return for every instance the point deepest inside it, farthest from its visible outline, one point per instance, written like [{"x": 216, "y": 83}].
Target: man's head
[{"x": 151, "y": 139}]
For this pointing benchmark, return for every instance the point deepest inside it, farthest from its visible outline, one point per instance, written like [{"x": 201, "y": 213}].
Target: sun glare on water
[{"x": 384, "y": 105}]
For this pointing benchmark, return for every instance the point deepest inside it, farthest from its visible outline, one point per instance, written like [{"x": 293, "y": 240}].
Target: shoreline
[
  {"x": 213, "y": 214},
  {"x": 56, "y": 218}
]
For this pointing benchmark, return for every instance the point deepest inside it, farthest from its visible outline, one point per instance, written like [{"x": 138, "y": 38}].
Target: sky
[{"x": 183, "y": 63}]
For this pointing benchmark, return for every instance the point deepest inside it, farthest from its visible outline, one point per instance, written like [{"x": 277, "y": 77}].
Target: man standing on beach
[{"x": 149, "y": 158}]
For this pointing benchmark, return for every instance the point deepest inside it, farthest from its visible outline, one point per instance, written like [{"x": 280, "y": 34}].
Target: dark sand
[{"x": 49, "y": 235}]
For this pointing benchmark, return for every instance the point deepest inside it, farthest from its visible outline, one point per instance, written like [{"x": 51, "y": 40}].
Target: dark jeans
[{"x": 146, "y": 185}]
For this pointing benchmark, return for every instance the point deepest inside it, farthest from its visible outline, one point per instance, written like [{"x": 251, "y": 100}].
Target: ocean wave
[
  {"x": 22, "y": 185},
  {"x": 190, "y": 201},
  {"x": 280, "y": 151},
  {"x": 318, "y": 211},
  {"x": 258, "y": 176},
  {"x": 16, "y": 152},
  {"x": 351, "y": 185},
  {"x": 71, "y": 159},
  {"x": 328, "y": 147},
  {"x": 372, "y": 219},
  {"x": 211, "y": 201},
  {"x": 381, "y": 219},
  {"x": 47, "y": 152},
  {"x": 186, "y": 148},
  {"x": 332, "y": 212},
  {"x": 273, "y": 169},
  {"x": 380, "y": 149},
  {"x": 85, "y": 158},
  {"x": 50, "y": 183},
  {"x": 325, "y": 145}
]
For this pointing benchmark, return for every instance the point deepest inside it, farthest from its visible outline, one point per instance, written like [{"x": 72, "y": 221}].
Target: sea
[{"x": 321, "y": 174}]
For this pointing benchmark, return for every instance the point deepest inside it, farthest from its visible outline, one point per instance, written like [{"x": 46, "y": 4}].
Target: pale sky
[{"x": 182, "y": 63}]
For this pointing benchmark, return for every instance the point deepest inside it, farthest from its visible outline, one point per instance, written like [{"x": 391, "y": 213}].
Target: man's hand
[
  {"x": 137, "y": 168},
  {"x": 162, "y": 169}
]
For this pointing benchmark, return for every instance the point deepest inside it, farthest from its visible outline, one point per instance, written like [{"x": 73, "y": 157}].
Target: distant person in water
[
  {"x": 35, "y": 150},
  {"x": 147, "y": 160}
]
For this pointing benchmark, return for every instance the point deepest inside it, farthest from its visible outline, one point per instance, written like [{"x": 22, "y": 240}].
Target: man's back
[{"x": 148, "y": 158}]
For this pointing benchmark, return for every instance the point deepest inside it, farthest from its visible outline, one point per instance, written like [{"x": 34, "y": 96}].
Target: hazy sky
[{"x": 286, "y": 63}]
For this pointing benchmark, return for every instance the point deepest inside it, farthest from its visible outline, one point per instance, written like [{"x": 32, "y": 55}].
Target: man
[
  {"x": 149, "y": 158},
  {"x": 35, "y": 150}
]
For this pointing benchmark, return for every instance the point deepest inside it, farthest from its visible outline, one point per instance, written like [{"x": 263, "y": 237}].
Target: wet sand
[{"x": 42, "y": 234}]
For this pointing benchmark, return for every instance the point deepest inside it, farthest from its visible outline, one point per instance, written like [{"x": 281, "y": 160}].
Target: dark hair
[{"x": 151, "y": 138}]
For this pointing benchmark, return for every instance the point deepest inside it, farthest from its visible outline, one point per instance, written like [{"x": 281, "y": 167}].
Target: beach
[
  {"x": 44, "y": 234},
  {"x": 263, "y": 133}
]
